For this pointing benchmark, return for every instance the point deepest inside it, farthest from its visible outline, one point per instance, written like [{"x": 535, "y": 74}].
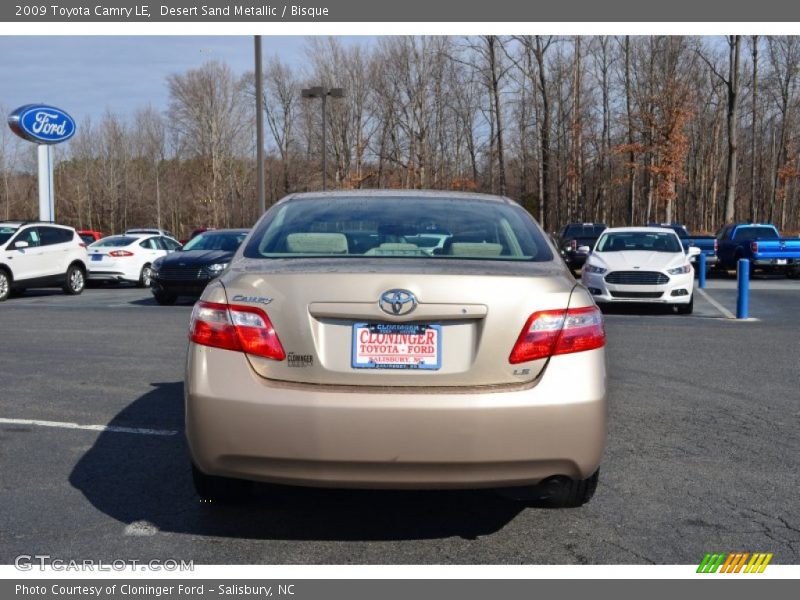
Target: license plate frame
[{"x": 361, "y": 359}]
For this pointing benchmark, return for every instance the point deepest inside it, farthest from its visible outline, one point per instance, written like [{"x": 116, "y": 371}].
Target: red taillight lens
[
  {"x": 235, "y": 327},
  {"x": 119, "y": 253},
  {"x": 81, "y": 244},
  {"x": 551, "y": 332},
  {"x": 716, "y": 244},
  {"x": 573, "y": 244},
  {"x": 754, "y": 247}
]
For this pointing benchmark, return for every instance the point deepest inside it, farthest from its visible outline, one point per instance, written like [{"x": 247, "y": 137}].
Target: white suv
[{"x": 35, "y": 255}]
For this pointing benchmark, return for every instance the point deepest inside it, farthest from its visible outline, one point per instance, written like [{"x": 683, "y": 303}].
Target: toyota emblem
[{"x": 397, "y": 302}]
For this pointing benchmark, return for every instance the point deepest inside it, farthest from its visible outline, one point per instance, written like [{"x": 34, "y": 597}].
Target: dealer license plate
[{"x": 397, "y": 346}]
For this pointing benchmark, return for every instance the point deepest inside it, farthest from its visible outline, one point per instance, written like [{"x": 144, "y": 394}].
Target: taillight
[
  {"x": 754, "y": 247},
  {"x": 573, "y": 244},
  {"x": 118, "y": 253},
  {"x": 81, "y": 244},
  {"x": 716, "y": 245},
  {"x": 551, "y": 332},
  {"x": 235, "y": 327}
]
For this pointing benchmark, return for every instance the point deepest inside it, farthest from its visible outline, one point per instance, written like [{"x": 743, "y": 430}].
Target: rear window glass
[
  {"x": 399, "y": 227},
  {"x": 116, "y": 241},
  {"x": 6, "y": 233},
  {"x": 754, "y": 233},
  {"x": 679, "y": 229},
  {"x": 226, "y": 242},
  {"x": 639, "y": 240},
  {"x": 55, "y": 235},
  {"x": 583, "y": 230}
]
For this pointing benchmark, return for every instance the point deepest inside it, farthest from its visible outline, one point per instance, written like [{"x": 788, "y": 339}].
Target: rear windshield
[
  {"x": 116, "y": 241},
  {"x": 227, "y": 242},
  {"x": 583, "y": 230},
  {"x": 639, "y": 240},
  {"x": 6, "y": 233},
  {"x": 398, "y": 227},
  {"x": 755, "y": 233},
  {"x": 679, "y": 229}
]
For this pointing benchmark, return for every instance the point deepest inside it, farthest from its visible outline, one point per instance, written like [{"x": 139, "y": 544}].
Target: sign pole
[{"x": 46, "y": 199}]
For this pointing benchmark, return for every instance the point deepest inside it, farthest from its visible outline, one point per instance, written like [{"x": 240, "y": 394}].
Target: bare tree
[
  {"x": 784, "y": 57},
  {"x": 153, "y": 135},
  {"x": 731, "y": 83},
  {"x": 754, "y": 120},
  {"x": 630, "y": 137},
  {"x": 280, "y": 104},
  {"x": 207, "y": 110},
  {"x": 644, "y": 128}
]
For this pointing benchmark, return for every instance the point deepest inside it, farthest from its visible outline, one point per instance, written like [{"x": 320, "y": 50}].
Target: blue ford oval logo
[
  {"x": 42, "y": 124},
  {"x": 397, "y": 302}
]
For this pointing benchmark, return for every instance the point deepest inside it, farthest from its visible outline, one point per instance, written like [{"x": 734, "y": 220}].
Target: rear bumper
[
  {"x": 239, "y": 424},
  {"x": 110, "y": 276},
  {"x": 711, "y": 260},
  {"x": 775, "y": 262}
]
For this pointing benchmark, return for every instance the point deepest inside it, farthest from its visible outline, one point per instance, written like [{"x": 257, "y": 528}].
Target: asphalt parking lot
[{"x": 701, "y": 456}]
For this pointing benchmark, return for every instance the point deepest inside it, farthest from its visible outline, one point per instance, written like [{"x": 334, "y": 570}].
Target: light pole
[
  {"x": 323, "y": 92},
  {"x": 259, "y": 129}
]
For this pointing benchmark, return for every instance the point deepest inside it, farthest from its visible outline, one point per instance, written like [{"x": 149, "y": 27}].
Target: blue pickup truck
[
  {"x": 761, "y": 244},
  {"x": 706, "y": 243}
]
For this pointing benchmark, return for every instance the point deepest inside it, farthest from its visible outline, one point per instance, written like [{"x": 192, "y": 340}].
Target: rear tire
[
  {"x": 221, "y": 490},
  {"x": 686, "y": 309},
  {"x": 145, "y": 276},
  {"x": 555, "y": 492},
  {"x": 164, "y": 299},
  {"x": 75, "y": 281},
  {"x": 5, "y": 285}
]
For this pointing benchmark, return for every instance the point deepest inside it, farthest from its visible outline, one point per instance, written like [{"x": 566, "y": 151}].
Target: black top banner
[{"x": 332, "y": 11}]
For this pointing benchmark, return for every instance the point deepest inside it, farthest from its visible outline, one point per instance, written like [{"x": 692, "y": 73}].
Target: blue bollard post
[
  {"x": 743, "y": 288},
  {"x": 701, "y": 274}
]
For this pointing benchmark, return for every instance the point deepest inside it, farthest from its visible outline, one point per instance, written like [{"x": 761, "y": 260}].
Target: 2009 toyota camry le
[{"x": 397, "y": 339}]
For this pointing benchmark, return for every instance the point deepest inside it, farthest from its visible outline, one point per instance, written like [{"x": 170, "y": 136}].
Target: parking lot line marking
[
  {"x": 725, "y": 312},
  {"x": 102, "y": 428}
]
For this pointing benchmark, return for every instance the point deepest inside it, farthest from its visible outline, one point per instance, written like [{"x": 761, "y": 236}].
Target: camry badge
[
  {"x": 397, "y": 302},
  {"x": 254, "y": 299}
]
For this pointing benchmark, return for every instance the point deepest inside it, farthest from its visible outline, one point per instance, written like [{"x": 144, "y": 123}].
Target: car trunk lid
[{"x": 328, "y": 316}]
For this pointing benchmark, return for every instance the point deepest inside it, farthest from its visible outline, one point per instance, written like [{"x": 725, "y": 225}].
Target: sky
[{"x": 86, "y": 75}]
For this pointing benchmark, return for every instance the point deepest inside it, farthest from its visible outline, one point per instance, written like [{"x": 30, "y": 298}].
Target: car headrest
[
  {"x": 618, "y": 244},
  {"x": 394, "y": 249},
  {"x": 475, "y": 249},
  {"x": 316, "y": 243}
]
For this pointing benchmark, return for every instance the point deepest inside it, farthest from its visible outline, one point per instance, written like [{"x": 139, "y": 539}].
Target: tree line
[{"x": 621, "y": 130}]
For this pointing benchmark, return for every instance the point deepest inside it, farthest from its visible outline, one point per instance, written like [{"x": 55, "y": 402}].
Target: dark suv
[{"x": 574, "y": 240}]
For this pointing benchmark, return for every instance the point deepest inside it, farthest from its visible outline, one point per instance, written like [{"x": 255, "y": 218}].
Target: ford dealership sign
[{"x": 42, "y": 124}]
